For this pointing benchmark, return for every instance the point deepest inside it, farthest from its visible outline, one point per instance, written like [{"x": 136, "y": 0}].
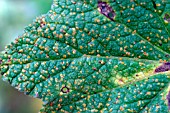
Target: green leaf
[{"x": 95, "y": 56}]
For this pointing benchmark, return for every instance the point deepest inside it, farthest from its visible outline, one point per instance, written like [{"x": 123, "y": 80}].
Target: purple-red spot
[
  {"x": 49, "y": 76},
  {"x": 167, "y": 17},
  {"x": 51, "y": 103},
  {"x": 166, "y": 55},
  {"x": 94, "y": 69},
  {"x": 0, "y": 61},
  {"x": 106, "y": 10},
  {"x": 168, "y": 98},
  {"x": 164, "y": 67}
]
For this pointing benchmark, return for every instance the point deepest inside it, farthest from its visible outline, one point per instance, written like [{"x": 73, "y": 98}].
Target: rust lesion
[
  {"x": 65, "y": 89},
  {"x": 164, "y": 67}
]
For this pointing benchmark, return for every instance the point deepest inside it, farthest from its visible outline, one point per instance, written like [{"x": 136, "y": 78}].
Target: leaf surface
[{"x": 95, "y": 56}]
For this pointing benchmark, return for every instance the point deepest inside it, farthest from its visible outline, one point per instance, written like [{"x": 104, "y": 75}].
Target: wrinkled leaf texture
[{"x": 87, "y": 56}]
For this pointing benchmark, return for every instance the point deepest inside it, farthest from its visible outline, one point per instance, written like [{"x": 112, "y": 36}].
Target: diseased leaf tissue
[{"x": 87, "y": 56}]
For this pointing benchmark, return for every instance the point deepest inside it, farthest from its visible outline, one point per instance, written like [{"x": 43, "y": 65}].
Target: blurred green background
[{"x": 15, "y": 15}]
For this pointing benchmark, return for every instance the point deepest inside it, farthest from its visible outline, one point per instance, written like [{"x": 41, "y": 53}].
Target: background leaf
[{"x": 16, "y": 14}]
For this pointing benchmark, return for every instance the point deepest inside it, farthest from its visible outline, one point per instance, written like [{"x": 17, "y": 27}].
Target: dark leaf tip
[
  {"x": 168, "y": 98},
  {"x": 163, "y": 68}
]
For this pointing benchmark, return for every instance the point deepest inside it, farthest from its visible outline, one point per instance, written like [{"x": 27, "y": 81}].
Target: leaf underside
[{"x": 86, "y": 56}]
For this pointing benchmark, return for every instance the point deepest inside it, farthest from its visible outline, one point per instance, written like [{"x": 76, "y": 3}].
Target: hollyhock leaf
[{"x": 94, "y": 56}]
